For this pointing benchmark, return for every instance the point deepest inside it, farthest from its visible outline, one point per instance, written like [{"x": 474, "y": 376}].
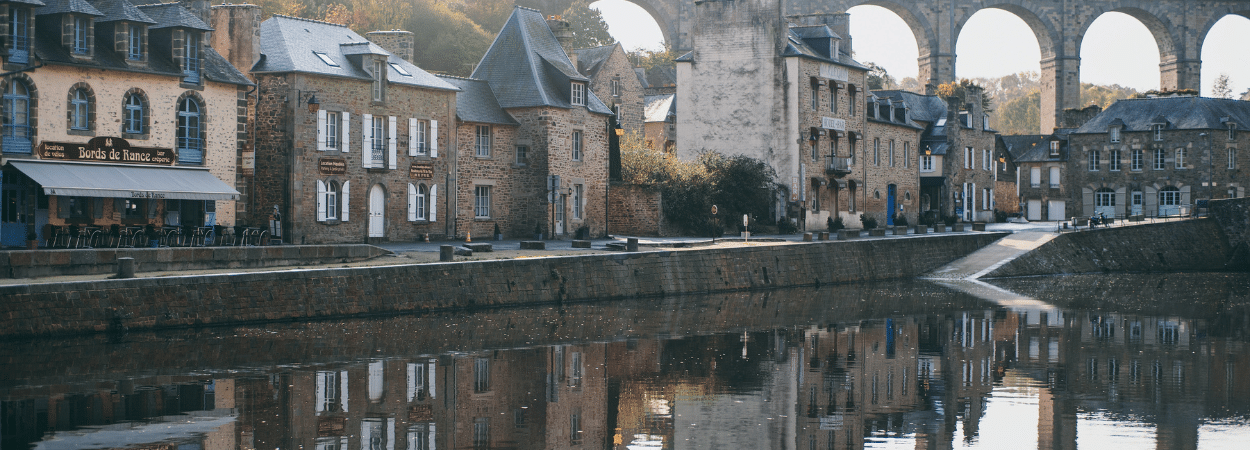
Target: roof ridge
[
  {"x": 529, "y": 9},
  {"x": 447, "y": 75},
  {"x": 284, "y": 16}
]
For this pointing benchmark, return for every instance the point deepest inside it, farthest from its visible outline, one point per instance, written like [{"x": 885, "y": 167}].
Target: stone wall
[
  {"x": 636, "y": 210},
  {"x": 1233, "y": 215},
  {"x": 45, "y": 263},
  {"x": 1192, "y": 245},
  {"x": 173, "y": 302}
]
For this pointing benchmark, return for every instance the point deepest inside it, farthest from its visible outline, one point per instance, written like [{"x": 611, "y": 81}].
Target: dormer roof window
[
  {"x": 73, "y": 19},
  {"x": 1054, "y": 148},
  {"x": 379, "y": 79},
  {"x": 400, "y": 70},
  {"x": 578, "y": 96},
  {"x": 135, "y": 34},
  {"x": 19, "y": 34},
  {"x": 1114, "y": 132},
  {"x": 191, "y": 57},
  {"x": 82, "y": 32},
  {"x": 1232, "y": 130}
]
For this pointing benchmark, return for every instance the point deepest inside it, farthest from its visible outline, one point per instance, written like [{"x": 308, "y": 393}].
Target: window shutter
[
  {"x": 345, "y": 132},
  {"x": 433, "y": 139},
  {"x": 366, "y": 136},
  {"x": 321, "y": 129},
  {"x": 344, "y": 197},
  {"x": 412, "y": 203},
  {"x": 321, "y": 201},
  {"x": 433, "y": 202},
  {"x": 390, "y": 142},
  {"x": 412, "y": 136}
]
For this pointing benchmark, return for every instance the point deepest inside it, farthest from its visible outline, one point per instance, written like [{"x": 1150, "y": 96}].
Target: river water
[{"x": 1095, "y": 361}]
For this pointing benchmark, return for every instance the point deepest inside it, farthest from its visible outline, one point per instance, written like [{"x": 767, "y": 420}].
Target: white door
[
  {"x": 377, "y": 206},
  {"x": 1136, "y": 208},
  {"x": 1035, "y": 210},
  {"x": 559, "y": 215},
  {"x": 1104, "y": 202},
  {"x": 1055, "y": 211}
]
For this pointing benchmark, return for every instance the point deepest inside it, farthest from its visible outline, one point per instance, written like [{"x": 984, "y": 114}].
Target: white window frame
[
  {"x": 1115, "y": 134},
  {"x": 481, "y": 202},
  {"x": 1094, "y": 156},
  {"x": 1035, "y": 177},
  {"x": 876, "y": 151},
  {"x": 1232, "y": 158},
  {"x": 379, "y": 74},
  {"x": 481, "y": 142},
  {"x": 1158, "y": 132},
  {"x": 1056, "y": 174},
  {"x": 577, "y": 201},
  {"x": 578, "y": 93},
  {"x": 577, "y": 145},
  {"x": 1160, "y": 159},
  {"x": 332, "y": 200},
  {"x": 419, "y": 137},
  {"x": 521, "y": 151},
  {"x": 906, "y": 154},
  {"x": 1136, "y": 160},
  {"x": 891, "y": 153},
  {"x": 926, "y": 163},
  {"x": 985, "y": 159},
  {"x": 1180, "y": 158}
]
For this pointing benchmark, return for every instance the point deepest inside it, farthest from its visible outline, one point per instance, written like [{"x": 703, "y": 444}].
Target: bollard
[
  {"x": 807, "y": 237},
  {"x": 824, "y": 235},
  {"x": 125, "y": 267},
  {"x": 446, "y": 253},
  {"x": 631, "y": 245}
]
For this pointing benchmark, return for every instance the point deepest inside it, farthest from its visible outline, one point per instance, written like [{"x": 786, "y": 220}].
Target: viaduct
[{"x": 1178, "y": 26}]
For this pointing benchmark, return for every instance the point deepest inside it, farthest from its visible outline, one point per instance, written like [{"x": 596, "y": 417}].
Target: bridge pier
[
  {"x": 1061, "y": 89},
  {"x": 1179, "y": 73}
]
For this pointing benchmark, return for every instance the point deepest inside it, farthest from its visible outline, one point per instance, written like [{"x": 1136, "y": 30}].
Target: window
[
  {"x": 891, "y": 153},
  {"x": 1114, "y": 160},
  {"x": 815, "y": 150},
  {"x": 19, "y": 27},
  {"x": 378, "y": 143},
  {"x": 578, "y": 97},
  {"x": 577, "y": 201},
  {"x": 1232, "y": 131},
  {"x": 1054, "y": 177},
  {"x": 850, "y": 102},
  {"x": 379, "y": 75},
  {"x": 1180, "y": 158},
  {"x": 326, "y": 59},
  {"x": 332, "y": 200},
  {"x": 80, "y": 46},
  {"x": 482, "y": 142},
  {"x": 135, "y": 114},
  {"x": 332, "y": 130},
  {"x": 400, "y": 70},
  {"x": 132, "y": 209},
  {"x": 1158, "y": 132},
  {"x": 577, "y": 145},
  {"x": 1115, "y": 134},
  {"x": 481, "y": 432},
  {"x": 191, "y": 60},
  {"x": 815, "y": 94},
  {"x": 926, "y": 163},
  {"x": 833, "y": 96},
  {"x": 1169, "y": 196},
  {"x": 1232, "y": 158},
  {"x": 190, "y": 144},
  {"x": 985, "y": 160},
  {"x": 481, "y": 202},
  {"x": 422, "y": 202},
  {"x": 1135, "y": 160},
  {"x": 876, "y": 151},
  {"x": 969, "y": 158},
  {"x": 17, "y": 130},
  {"x": 1094, "y": 155},
  {"x": 906, "y": 154},
  {"x": 1054, "y": 148},
  {"x": 1035, "y": 177},
  {"x": 575, "y": 428},
  {"x": 481, "y": 374},
  {"x": 134, "y": 48},
  {"x": 616, "y": 87},
  {"x": 521, "y": 150},
  {"x": 420, "y": 137},
  {"x": 79, "y": 110},
  {"x": 1104, "y": 198},
  {"x": 1159, "y": 159}
]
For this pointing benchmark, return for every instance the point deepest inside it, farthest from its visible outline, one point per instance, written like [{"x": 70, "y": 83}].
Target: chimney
[
  {"x": 198, "y": 7},
  {"x": 237, "y": 36},
  {"x": 564, "y": 33},
  {"x": 400, "y": 43},
  {"x": 840, "y": 23}
]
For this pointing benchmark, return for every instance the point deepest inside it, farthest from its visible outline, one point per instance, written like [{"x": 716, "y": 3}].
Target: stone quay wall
[
  {"x": 177, "y": 302},
  {"x": 1217, "y": 244},
  {"x": 45, "y": 263}
]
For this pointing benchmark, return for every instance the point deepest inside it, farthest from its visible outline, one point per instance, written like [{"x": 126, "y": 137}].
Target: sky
[{"x": 1117, "y": 49}]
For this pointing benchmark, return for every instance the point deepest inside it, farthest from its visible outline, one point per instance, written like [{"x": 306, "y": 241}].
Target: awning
[{"x": 124, "y": 181}]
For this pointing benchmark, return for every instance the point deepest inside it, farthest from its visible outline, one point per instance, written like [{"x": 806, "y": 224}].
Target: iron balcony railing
[{"x": 838, "y": 165}]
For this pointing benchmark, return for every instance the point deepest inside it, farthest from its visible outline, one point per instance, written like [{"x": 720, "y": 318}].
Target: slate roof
[
  {"x": 117, "y": 10},
  {"x": 924, "y": 108},
  {"x": 795, "y": 46},
  {"x": 893, "y": 103},
  {"x": 590, "y": 60},
  {"x": 213, "y": 67},
  {"x": 658, "y": 108},
  {"x": 1183, "y": 113},
  {"x": 661, "y": 76},
  {"x": 642, "y": 77},
  {"x": 476, "y": 103},
  {"x": 290, "y": 44},
  {"x": 67, "y": 6},
  {"x": 1019, "y": 145},
  {"x": 173, "y": 15},
  {"x": 25, "y": 2},
  {"x": 526, "y": 66}
]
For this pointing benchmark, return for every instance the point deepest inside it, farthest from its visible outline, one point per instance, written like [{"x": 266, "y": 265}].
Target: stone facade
[
  {"x": 890, "y": 164},
  {"x": 969, "y": 168},
  {"x": 613, "y": 80},
  {"x": 637, "y": 210}
]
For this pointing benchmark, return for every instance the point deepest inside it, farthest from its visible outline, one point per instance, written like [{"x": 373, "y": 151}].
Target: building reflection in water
[{"x": 931, "y": 378}]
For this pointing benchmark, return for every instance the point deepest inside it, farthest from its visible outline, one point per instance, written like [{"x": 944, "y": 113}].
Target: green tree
[
  {"x": 878, "y": 77},
  {"x": 488, "y": 14},
  {"x": 741, "y": 185},
  {"x": 1021, "y": 115},
  {"x": 646, "y": 59},
  {"x": 589, "y": 29}
]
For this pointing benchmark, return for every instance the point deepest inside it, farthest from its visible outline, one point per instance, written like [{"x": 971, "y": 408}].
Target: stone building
[
  {"x": 116, "y": 114},
  {"x": 890, "y": 164},
  {"x": 959, "y": 166},
  {"x": 348, "y": 139},
  {"x": 660, "y": 122},
  {"x": 1042, "y": 162},
  {"x": 549, "y": 173},
  {"x": 788, "y": 93},
  {"x": 613, "y": 80},
  {"x": 1157, "y": 156}
]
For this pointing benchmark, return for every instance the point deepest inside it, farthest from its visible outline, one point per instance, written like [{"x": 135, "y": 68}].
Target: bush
[
  {"x": 900, "y": 220},
  {"x": 1000, "y": 216},
  {"x": 785, "y": 226},
  {"x": 834, "y": 224},
  {"x": 868, "y": 221},
  {"x": 949, "y": 220}
]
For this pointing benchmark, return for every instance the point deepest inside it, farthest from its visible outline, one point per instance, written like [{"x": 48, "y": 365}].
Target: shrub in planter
[
  {"x": 834, "y": 224},
  {"x": 1000, "y": 216},
  {"x": 868, "y": 221},
  {"x": 900, "y": 220},
  {"x": 949, "y": 220}
]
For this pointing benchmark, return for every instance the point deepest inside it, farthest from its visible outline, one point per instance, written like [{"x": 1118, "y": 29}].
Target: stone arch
[
  {"x": 927, "y": 43},
  {"x": 1043, "y": 29},
  {"x": 1216, "y": 16},
  {"x": 667, "y": 15},
  {"x": 91, "y": 107},
  {"x": 1158, "y": 26},
  {"x": 32, "y": 91}
]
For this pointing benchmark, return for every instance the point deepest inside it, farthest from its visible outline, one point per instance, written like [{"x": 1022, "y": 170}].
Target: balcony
[{"x": 838, "y": 166}]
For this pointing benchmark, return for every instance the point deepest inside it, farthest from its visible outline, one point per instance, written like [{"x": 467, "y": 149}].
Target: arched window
[
  {"x": 190, "y": 145},
  {"x": 79, "y": 110},
  {"x": 17, "y": 129},
  {"x": 135, "y": 119}
]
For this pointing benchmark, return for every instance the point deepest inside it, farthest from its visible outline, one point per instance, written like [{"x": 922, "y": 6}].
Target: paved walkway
[{"x": 992, "y": 256}]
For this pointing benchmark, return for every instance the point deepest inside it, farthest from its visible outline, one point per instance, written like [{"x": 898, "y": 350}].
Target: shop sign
[
  {"x": 421, "y": 170},
  {"x": 108, "y": 150},
  {"x": 332, "y": 166}
]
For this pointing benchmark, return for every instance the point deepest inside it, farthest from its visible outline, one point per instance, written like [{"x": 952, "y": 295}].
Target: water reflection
[{"x": 905, "y": 364}]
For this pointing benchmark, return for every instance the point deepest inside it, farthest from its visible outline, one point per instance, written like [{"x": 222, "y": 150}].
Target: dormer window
[
  {"x": 1054, "y": 148},
  {"x": 400, "y": 70},
  {"x": 19, "y": 38},
  {"x": 379, "y": 75},
  {"x": 191, "y": 58},
  {"x": 81, "y": 26},
  {"x": 1232, "y": 131},
  {"x": 1158, "y": 130},
  {"x": 134, "y": 43},
  {"x": 326, "y": 59},
  {"x": 578, "y": 97},
  {"x": 1115, "y": 134}
]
